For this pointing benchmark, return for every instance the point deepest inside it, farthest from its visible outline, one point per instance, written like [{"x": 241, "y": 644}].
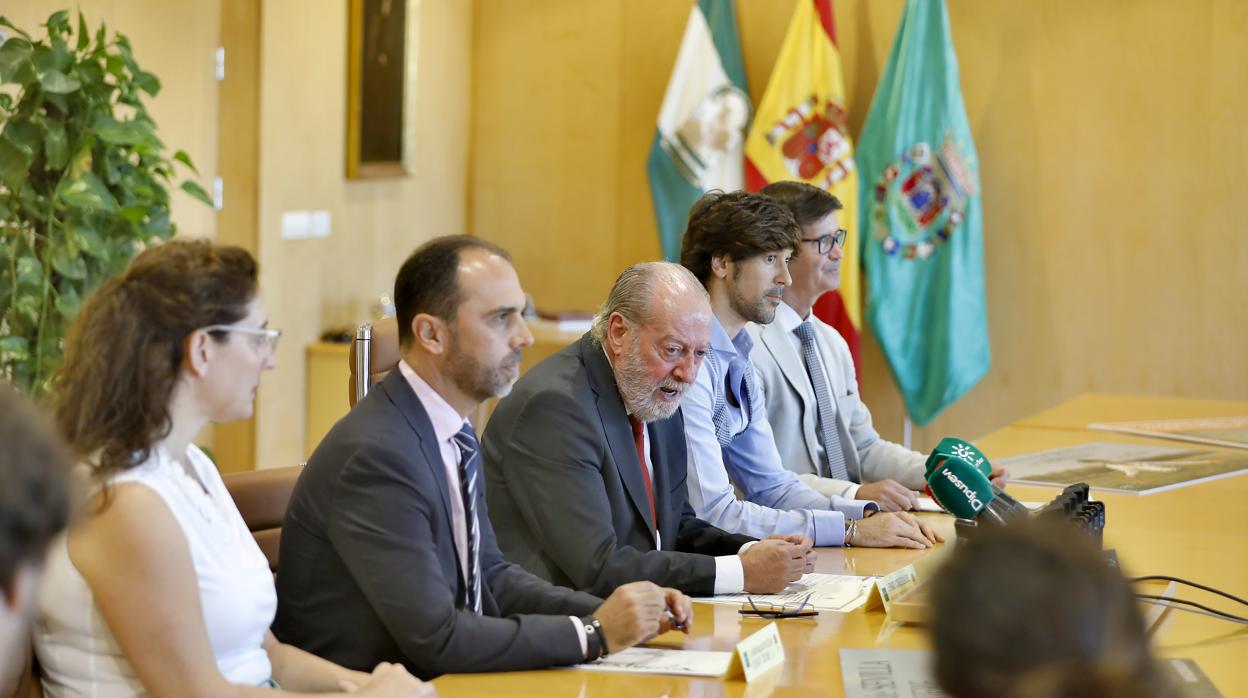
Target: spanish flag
[{"x": 800, "y": 133}]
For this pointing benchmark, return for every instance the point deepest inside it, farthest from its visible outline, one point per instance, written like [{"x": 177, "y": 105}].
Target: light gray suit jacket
[{"x": 791, "y": 409}]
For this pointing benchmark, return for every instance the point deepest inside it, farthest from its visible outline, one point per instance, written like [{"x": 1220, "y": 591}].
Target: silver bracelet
[{"x": 850, "y": 529}]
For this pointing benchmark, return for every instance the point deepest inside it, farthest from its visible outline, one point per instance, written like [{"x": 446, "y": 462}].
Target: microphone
[
  {"x": 960, "y": 448},
  {"x": 965, "y": 450},
  {"x": 966, "y": 493}
]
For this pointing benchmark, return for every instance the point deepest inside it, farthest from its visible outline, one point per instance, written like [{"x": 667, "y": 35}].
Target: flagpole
[{"x": 905, "y": 431}]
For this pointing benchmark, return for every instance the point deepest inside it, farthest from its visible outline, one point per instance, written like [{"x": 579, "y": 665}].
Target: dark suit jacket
[
  {"x": 565, "y": 486},
  {"x": 369, "y": 571}
]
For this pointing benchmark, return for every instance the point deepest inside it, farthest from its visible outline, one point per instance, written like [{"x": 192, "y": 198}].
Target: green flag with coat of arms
[{"x": 923, "y": 230}]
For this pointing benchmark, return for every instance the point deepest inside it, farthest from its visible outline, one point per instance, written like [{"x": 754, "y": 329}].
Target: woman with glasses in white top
[{"x": 161, "y": 590}]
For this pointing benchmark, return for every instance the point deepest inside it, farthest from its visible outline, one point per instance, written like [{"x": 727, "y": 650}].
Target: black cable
[
  {"x": 1195, "y": 612},
  {"x": 1180, "y": 580},
  {"x": 1170, "y": 599}
]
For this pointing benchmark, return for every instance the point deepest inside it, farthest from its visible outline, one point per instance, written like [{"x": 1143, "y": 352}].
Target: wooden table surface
[{"x": 1198, "y": 532}]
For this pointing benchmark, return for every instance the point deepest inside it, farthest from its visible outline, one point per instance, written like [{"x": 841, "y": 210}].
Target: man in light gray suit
[{"x": 807, "y": 375}]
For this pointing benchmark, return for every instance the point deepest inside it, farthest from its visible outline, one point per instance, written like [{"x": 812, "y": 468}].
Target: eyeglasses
[
  {"x": 788, "y": 610},
  {"x": 825, "y": 243},
  {"x": 262, "y": 338}
]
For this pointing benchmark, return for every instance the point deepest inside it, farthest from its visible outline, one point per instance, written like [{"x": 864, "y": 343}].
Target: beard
[
  {"x": 638, "y": 389},
  {"x": 757, "y": 310},
  {"x": 477, "y": 379}
]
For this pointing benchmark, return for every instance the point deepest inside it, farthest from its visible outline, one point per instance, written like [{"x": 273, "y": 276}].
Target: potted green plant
[{"x": 82, "y": 183}]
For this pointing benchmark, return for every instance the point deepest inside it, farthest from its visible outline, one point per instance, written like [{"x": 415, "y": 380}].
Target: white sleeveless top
[{"x": 76, "y": 650}]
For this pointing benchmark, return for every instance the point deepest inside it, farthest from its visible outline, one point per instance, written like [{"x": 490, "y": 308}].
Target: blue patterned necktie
[
  {"x": 738, "y": 386},
  {"x": 833, "y": 456},
  {"x": 469, "y": 466}
]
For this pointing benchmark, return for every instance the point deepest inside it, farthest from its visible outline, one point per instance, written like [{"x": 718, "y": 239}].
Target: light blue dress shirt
[{"x": 775, "y": 500}]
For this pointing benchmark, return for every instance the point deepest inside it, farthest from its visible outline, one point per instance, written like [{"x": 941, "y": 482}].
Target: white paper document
[
  {"x": 828, "y": 592},
  {"x": 657, "y": 660}
]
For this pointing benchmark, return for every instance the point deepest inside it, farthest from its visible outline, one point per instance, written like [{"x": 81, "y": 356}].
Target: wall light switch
[
  {"x": 296, "y": 225},
  {"x": 321, "y": 223}
]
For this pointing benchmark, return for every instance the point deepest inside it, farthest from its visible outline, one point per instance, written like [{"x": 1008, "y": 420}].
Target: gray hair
[{"x": 634, "y": 291}]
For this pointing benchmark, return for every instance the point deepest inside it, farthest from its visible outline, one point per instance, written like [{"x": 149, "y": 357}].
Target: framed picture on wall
[{"x": 376, "y": 78}]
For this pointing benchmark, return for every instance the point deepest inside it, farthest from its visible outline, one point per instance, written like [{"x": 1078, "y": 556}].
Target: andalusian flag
[
  {"x": 800, "y": 133},
  {"x": 698, "y": 144},
  {"x": 923, "y": 248}
]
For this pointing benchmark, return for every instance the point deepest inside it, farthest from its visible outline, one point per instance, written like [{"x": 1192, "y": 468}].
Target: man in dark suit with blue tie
[{"x": 387, "y": 551}]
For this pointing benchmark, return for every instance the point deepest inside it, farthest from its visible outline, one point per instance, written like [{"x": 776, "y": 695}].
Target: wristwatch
[
  {"x": 595, "y": 640},
  {"x": 851, "y": 527}
]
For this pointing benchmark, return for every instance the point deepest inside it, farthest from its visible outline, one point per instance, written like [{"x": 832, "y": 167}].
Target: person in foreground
[
  {"x": 738, "y": 245},
  {"x": 1033, "y": 610},
  {"x": 35, "y": 505},
  {"x": 807, "y": 375},
  {"x": 387, "y": 550},
  {"x": 586, "y": 459},
  {"x": 161, "y": 590}
]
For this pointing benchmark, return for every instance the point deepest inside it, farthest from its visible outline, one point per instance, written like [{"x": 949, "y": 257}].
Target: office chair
[
  {"x": 262, "y": 497},
  {"x": 374, "y": 353}
]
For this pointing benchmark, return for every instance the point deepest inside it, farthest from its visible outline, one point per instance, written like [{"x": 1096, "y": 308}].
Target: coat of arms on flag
[
  {"x": 930, "y": 190},
  {"x": 812, "y": 139}
]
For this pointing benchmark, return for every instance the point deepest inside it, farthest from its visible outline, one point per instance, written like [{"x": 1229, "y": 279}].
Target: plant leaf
[
  {"x": 133, "y": 214},
  {"x": 58, "y": 83},
  {"x": 58, "y": 23},
  {"x": 14, "y": 348},
  {"x": 84, "y": 35},
  {"x": 90, "y": 242},
  {"x": 55, "y": 145},
  {"x": 68, "y": 301},
  {"x": 27, "y": 309},
  {"x": 4, "y": 22},
  {"x": 18, "y": 144},
  {"x": 87, "y": 191},
  {"x": 182, "y": 157},
  {"x": 52, "y": 58},
  {"x": 147, "y": 82},
  {"x": 68, "y": 264},
  {"x": 196, "y": 191},
  {"x": 15, "y": 63},
  {"x": 117, "y": 132},
  {"x": 29, "y": 272}
]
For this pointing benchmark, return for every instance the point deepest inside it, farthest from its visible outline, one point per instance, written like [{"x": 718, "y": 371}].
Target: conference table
[{"x": 1198, "y": 532}]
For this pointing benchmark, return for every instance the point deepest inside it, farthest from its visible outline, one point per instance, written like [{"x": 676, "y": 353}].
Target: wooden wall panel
[
  {"x": 312, "y": 284},
  {"x": 1110, "y": 144}
]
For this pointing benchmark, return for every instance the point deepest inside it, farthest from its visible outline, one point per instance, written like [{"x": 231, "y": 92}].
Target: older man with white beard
[{"x": 585, "y": 460}]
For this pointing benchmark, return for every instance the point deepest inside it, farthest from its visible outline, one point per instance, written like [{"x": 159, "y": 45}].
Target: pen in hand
[{"x": 680, "y": 625}]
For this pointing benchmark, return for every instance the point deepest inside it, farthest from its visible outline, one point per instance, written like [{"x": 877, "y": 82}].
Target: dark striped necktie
[{"x": 469, "y": 467}]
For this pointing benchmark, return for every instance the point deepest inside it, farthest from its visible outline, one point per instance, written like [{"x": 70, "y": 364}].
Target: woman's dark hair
[
  {"x": 125, "y": 348},
  {"x": 737, "y": 224},
  {"x": 1033, "y": 610},
  {"x": 35, "y": 495}
]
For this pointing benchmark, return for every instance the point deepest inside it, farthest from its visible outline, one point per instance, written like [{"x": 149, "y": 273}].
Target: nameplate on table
[
  {"x": 893, "y": 586},
  {"x": 874, "y": 673},
  {"x": 759, "y": 653},
  {"x": 880, "y": 673}
]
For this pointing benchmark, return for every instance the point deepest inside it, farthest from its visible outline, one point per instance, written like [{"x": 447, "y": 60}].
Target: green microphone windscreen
[
  {"x": 960, "y": 488},
  {"x": 958, "y": 448}
]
